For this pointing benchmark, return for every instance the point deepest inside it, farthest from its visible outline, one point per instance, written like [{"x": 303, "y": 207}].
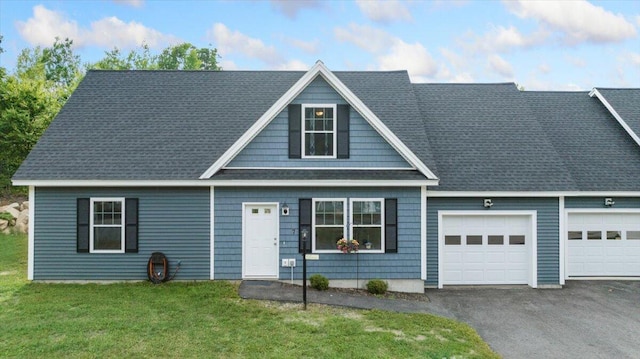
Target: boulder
[
  {"x": 24, "y": 206},
  {"x": 12, "y": 211},
  {"x": 15, "y": 205},
  {"x": 21, "y": 227},
  {"x": 3, "y": 224},
  {"x": 23, "y": 218}
]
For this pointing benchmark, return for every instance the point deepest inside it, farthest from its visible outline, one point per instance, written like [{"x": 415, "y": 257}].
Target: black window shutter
[
  {"x": 304, "y": 219},
  {"x": 343, "y": 131},
  {"x": 295, "y": 131},
  {"x": 82, "y": 225},
  {"x": 131, "y": 226},
  {"x": 391, "y": 225}
]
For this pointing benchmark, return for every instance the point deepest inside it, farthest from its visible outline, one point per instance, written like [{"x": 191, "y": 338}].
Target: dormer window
[{"x": 319, "y": 131}]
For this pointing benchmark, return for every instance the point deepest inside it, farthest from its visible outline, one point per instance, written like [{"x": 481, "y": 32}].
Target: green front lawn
[{"x": 202, "y": 320}]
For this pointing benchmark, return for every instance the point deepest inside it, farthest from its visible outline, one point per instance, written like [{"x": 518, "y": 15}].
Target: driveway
[{"x": 586, "y": 319}]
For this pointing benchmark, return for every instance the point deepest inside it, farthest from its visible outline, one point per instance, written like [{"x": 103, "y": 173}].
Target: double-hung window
[
  {"x": 367, "y": 223},
  {"x": 329, "y": 219},
  {"x": 107, "y": 230},
  {"x": 319, "y": 131}
]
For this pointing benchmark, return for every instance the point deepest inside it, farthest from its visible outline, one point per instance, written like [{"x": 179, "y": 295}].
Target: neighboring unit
[{"x": 442, "y": 184}]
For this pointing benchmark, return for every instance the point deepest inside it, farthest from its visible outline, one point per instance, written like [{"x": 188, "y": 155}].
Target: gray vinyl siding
[
  {"x": 548, "y": 229},
  {"x": 367, "y": 147},
  {"x": 228, "y": 234},
  {"x": 174, "y": 221},
  {"x": 598, "y": 202}
]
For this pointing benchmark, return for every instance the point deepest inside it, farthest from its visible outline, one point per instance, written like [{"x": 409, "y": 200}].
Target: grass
[{"x": 202, "y": 319}]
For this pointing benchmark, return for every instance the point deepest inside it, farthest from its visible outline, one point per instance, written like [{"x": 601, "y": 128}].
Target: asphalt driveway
[{"x": 586, "y": 319}]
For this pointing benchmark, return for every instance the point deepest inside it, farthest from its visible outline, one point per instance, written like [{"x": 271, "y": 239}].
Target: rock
[
  {"x": 6, "y": 230},
  {"x": 3, "y": 224},
  {"x": 24, "y": 206},
  {"x": 15, "y": 205},
  {"x": 21, "y": 227},
  {"x": 23, "y": 218},
  {"x": 12, "y": 211}
]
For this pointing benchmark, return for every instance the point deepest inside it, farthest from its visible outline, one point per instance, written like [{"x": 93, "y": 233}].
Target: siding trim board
[
  {"x": 212, "y": 222},
  {"x": 31, "y": 235}
]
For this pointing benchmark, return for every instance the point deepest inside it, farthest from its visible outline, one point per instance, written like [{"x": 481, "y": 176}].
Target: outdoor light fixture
[
  {"x": 319, "y": 112},
  {"x": 488, "y": 203},
  {"x": 285, "y": 209},
  {"x": 609, "y": 202}
]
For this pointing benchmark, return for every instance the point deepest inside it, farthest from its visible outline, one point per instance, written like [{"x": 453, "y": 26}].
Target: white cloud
[
  {"x": 391, "y": 53},
  {"x": 634, "y": 58},
  {"x": 638, "y": 20},
  {"x": 384, "y": 11},
  {"x": 133, "y": 3},
  {"x": 293, "y": 65},
  {"x": 310, "y": 47},
  {"x": 291, "y": 8},
  {"x": 46, "y": 25},
  {"x": 579, "y": 21},
  {"x": 413, "y": 57},
  {"x": 365, "y": 37},
  {"x": 228, "y": 42},
  {"x": 502, "y": 39},
  {"x": 576, "y": 61},
  {"x": 500, "y": 66},
  {"x": 113, "y": 32},
  {"x": 544, "y": 68}
]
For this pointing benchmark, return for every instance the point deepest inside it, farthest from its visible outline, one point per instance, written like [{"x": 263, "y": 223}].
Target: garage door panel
[
  {"x": 616, "y": 254},
  {"x": 493, "y": 260}
]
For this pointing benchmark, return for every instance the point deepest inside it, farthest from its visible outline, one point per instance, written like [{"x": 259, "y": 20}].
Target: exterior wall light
[
  {"x": 285, "y": 209},
  {"x": 608, "y": 202},
  {"x": 488, "y": 203}
]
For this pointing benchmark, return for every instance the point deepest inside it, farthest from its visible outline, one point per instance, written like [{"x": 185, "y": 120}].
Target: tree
[
  {"x": 184, "y": 56},
  {"x": 31, "y": 97}
]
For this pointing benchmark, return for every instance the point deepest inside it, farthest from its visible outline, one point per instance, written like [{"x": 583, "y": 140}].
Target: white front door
[
  {"x": 260, "y": 241},
  {"x": 486, "y": 249},
  {"x": 603, "y": 244}
]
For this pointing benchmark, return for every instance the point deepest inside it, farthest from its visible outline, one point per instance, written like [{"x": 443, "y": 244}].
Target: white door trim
[
  {"x": 276, "y": 205},
  {"x": 564, "y": 238},
  {"x": 533, "y": 264}
]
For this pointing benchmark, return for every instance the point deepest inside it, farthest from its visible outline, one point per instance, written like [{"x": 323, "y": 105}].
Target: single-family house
[{"x": 441, "y": 184}]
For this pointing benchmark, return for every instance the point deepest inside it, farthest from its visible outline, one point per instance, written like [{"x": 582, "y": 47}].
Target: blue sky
[{"x": 542, "y": 45}]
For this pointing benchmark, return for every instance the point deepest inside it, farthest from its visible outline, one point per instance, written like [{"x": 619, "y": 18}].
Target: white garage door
[
  {"x": 486, "y": 249},
  {"x": 603, "y": 244}
]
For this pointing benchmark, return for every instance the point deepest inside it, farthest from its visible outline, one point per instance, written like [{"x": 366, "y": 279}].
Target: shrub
[
  {"x": 319, "y": 282},
  {"x": 377, "y": 286}
]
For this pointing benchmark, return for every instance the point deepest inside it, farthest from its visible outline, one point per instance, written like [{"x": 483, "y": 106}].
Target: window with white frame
[
  {"x": 329, "y": 219},
  {"x": 107, "y": 225},
  {"x": 319, "y": 131},
  {"x": 367, "y": 223}
]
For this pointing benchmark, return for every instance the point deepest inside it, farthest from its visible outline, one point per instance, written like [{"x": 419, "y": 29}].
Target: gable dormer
[{"x": 266, "y": 133}]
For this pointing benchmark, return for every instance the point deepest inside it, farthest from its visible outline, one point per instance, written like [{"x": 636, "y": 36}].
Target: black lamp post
[{"x": 304, "y": 233}]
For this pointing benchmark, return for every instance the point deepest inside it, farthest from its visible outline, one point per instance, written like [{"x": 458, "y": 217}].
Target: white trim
[
  {"x": 423, "y": 232},
  {"x": 615, "y": 114},
  {"x": 303, "y": 144},
  {"x": 277, "y": 216},
  {"x": 231, "y": 183},
  {"x": 530, "y": 194},
  {"x": 324, "y": 168},
  {"x": 313, "y": 222},
  {"x": 382, "y": 223},
  {"x": 318, "y": 69},
  {"x": 604, "y": 278},
  {"x": 31, "y": 232},
  {"x": 212, "y": 221},
  {"x": 533, "y": 264},
  {"x": 121, "y": 225},
  {"x": 562, "y": 225},
  {"x": 603, "y": 210}
]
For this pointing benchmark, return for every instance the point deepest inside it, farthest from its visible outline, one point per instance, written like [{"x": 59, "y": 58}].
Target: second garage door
[
  {"x": 603, "y": 244},
  {"x": 486, "y": 249}
]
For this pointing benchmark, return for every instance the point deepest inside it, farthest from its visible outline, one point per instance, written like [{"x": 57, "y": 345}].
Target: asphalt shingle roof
[
  {"x": 626, "y": 102},
  {"x": 596, "y": 150},
  {"x": 485, "y": 138}
]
